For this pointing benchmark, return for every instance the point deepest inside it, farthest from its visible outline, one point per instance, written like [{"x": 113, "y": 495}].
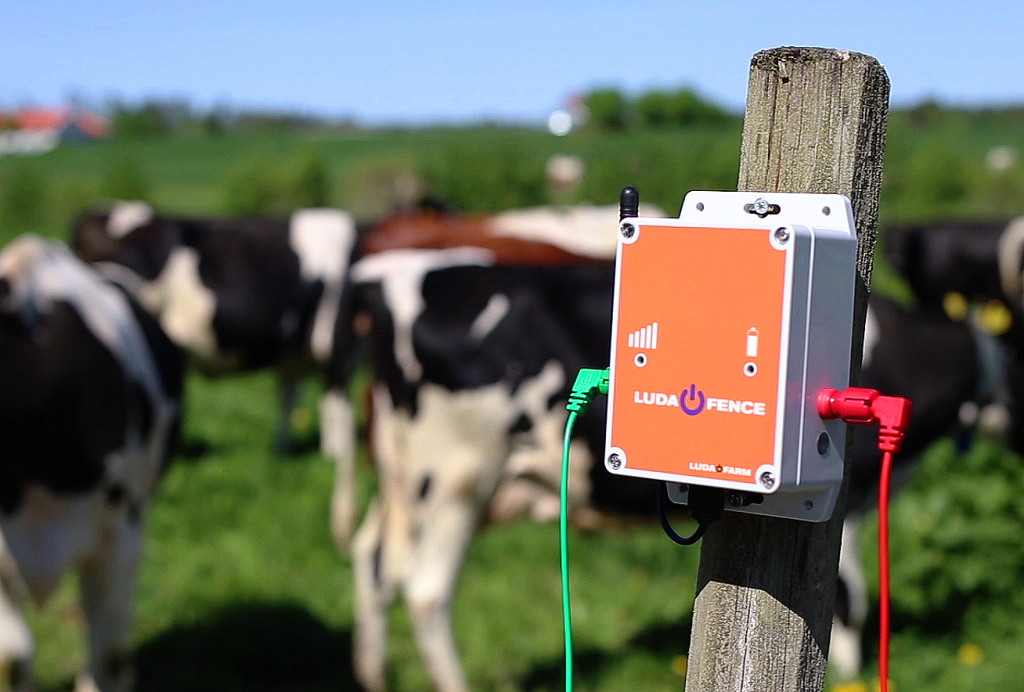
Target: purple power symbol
[{"x": 692, "y": 395}]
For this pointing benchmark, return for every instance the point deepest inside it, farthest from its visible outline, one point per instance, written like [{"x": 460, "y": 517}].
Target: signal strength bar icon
[{"x": 647, "y": 337}]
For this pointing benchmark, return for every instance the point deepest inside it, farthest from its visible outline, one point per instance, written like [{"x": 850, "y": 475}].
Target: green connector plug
[{"x": 589, "y": 383}]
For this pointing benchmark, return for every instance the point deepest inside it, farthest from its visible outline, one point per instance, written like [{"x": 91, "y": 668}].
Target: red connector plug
[
  {"x": 892, "y": 413},
  {"x": 860, "y": 405}
]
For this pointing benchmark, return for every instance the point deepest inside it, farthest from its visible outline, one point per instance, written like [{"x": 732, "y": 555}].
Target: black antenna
[{"x": 629, "y": 203}]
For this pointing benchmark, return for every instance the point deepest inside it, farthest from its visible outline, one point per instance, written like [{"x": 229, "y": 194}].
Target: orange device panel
[{"x": 699, "y": 329}]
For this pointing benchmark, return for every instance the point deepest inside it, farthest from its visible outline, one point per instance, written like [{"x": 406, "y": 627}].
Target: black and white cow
[
  {"x": 89, "y": 412},
  {"x": 474, "y": 362},
  {"x": 973, "y": 270},
  {"x": 240, "y": 294},
  {"x": 978, "y": 259}
]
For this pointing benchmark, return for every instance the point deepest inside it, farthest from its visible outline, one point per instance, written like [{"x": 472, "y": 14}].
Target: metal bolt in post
[
  {"x": 614, "y": 461},
  {"x": 782, "y": 234},
  {"x": 627, "y": 230},
  {"x": 761, "y": 206},
  {"x": 767, "y": 480}
]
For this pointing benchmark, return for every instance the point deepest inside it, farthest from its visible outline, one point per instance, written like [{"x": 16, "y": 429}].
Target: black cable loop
[{"x": 669, "y": 531}]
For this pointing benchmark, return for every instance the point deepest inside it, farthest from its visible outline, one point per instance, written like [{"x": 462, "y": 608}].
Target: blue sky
[{"x": 392, "y": 60}]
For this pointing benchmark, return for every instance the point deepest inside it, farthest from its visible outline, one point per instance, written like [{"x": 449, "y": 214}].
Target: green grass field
[
  {"x": 241, "y": 586},
  {"x": 242, "y": 589}
]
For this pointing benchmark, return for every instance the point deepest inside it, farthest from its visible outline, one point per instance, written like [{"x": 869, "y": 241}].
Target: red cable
[
  {"x": 883, "y": 572},
  {"x": 892, "y": 413}
]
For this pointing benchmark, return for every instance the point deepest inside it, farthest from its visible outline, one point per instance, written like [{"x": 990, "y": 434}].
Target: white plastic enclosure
[{"x": 727, "y": 323}]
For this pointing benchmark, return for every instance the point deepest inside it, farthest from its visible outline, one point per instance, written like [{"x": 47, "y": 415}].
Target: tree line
[{"x": 610, "y": 109}]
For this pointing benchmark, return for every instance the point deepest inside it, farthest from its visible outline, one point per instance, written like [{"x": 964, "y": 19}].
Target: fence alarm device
[{"x": 728, "y": 322}]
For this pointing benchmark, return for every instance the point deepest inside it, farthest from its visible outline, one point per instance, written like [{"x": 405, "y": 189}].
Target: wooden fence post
[{"x": 815, "y": 122}]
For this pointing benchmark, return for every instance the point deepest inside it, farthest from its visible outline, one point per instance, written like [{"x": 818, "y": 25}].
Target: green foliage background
[{"x": 241, "y": 587}]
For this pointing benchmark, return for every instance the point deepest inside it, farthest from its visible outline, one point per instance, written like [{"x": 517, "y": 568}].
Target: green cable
[
  {"x": 589, "y": 383},
  {"x": 563, "y": 535}
]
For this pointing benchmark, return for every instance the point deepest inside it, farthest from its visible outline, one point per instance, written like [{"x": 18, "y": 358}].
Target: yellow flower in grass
[
  {"x": 956, "y": 306},
  {"x": 995, "y": 318},
  {"x": 856, "y": 686},
  {"x": 970, "y": 654}
]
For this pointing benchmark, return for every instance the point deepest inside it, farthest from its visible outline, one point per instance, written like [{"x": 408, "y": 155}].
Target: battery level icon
[{"x": 751, "y": 343}]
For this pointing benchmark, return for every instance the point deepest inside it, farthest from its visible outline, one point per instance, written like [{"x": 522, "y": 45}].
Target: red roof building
[{"x": 72, "y": 125}]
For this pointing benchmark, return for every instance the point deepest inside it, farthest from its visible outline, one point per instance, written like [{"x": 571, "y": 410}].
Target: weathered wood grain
[{"x": 815, "y": 122}]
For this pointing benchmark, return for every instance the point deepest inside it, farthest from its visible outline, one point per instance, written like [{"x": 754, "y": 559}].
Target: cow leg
[
  {"x": 16, "y": 644},
  {"x": 108, "y": 580},
  {"x": 380, "y": 546},
  {"x": 436, "y": 561},
  {"x": 455, "y": 451},
  {"x": 375, "y": 591},
  {"x": 337, "y": 442},
  {"x": 851, "y": 606},
  {"x": 288, "y": 387}
]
